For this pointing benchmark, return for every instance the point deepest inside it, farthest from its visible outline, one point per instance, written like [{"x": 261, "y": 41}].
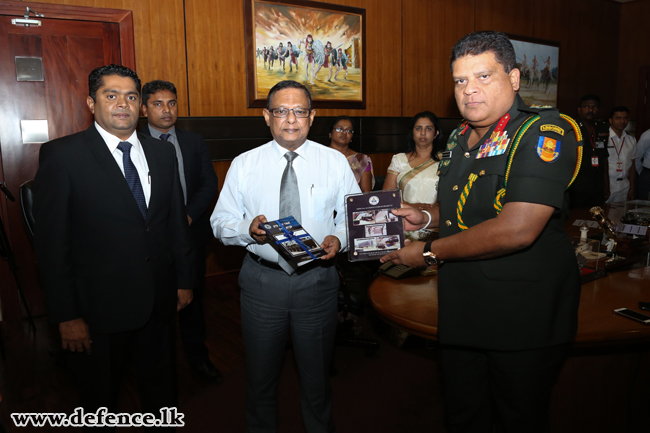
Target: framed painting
[
  {"x": 319, "y": 45},
  {"x": 538, "y": 60}
]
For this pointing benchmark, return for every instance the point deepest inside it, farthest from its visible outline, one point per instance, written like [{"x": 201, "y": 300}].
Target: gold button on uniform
[
  {"x": 448, "y": 223},
  {"x": 455, "y": 188},
  {"x": 466, "y": 154},
  {"x": 481, "y": 173}
]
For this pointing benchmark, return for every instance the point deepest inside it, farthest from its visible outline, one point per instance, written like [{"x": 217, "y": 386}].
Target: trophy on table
[{"x": 609, "y": 233}]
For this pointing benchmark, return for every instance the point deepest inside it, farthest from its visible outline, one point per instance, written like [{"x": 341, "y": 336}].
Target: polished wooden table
[{"x": 412, "y": 305}]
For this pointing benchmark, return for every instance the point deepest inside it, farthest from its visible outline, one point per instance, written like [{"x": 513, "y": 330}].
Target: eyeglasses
[
  {"x": 347, "y": 131},
  {"x": 284, "y": 112}
]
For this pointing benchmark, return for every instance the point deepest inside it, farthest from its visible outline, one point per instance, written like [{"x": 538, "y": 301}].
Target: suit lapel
[
  {"x": 100, "y": 151},
  {"x": 155, "y": 169}
]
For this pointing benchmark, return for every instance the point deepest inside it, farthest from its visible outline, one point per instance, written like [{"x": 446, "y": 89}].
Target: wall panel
[
  {"x": 633, "y": 53},
  {"x": 159, "y": 33},
  {"x": 509, "y": 16},
  {"x": 588, "y": 33},
  {"x": 431, "y": 27}
]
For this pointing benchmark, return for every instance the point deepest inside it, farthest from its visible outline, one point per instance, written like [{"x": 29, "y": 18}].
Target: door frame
[
  {"x": 124, "y": 19},
  {"x": 11, "y": 308}
]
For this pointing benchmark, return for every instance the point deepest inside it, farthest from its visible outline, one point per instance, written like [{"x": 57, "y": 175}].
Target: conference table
[
  {"x": 604, "y": 385},
  {"x": 411, "y": 304}
]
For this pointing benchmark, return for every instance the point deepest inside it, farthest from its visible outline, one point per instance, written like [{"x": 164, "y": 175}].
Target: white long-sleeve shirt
[
  {"x": 252, "y": 188},
  {"x": 643, "y": 152},
  {"x": 137, "y": 157}
]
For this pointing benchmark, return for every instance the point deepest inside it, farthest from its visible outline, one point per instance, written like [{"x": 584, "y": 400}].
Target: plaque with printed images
[
  {"x": 373, "y": 230},
  {"x": 292, "y": 241}
]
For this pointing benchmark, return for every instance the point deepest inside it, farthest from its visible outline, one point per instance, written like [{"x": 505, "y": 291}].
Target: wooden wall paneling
[
  {"x": 633, "y": 54},
  {"x": 431, "y": 27},
  {"x": 217, "y": 63},
  {"x": 509, "y": 16},
  {"x": 159, "y": 36},
  {"x": 588, "y": 34}
]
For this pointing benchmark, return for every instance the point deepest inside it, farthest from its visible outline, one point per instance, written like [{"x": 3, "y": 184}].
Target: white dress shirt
[
  {"x": 622, "y": 151},
  {"x": 137, "y": 156},
  {"x": 643, "y": 152},
  {"x": 252, "y": 188}
]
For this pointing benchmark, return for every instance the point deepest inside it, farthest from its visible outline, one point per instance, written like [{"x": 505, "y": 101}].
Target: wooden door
[{"x": 69, "y": 49}]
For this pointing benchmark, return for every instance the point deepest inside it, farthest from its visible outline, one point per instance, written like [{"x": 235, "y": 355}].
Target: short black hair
[
  {"x": 156, "y": 86},
  {"x": 286, "y": 84},
  {"x": 620, "y": 108},
  {"x": 338, "y": 119},
  {"x": 95, "y": 79},
  {"x": 438, "y": 142},
  {"x": 589, "y": 97},
  {"x": 478, "y": 43}
]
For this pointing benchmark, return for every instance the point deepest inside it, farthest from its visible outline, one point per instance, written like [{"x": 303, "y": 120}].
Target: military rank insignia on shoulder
[
  {"x": 548, "y": 149},
  {"x": 552, "y": 128}
]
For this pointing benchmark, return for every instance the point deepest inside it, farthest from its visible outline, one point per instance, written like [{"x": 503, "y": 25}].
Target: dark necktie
[
  {"x": 289, "y": 200},
  {"x": 181, "y": 167},
  {"x": 132, "y": 177}
]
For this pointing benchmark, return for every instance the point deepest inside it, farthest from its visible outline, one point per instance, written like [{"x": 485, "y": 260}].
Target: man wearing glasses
[{"x": 287, "y": 176}]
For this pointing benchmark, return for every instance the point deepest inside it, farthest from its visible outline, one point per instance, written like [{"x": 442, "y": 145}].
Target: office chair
[
  {"x": 6, "y": 253},
  {"x": 26, "y": 192},
  {"x": 345, "y": 333}
]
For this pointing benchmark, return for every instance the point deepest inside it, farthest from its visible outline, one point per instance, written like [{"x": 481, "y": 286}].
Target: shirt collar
[
  {"x": 112, "y": 141},
  {"x": 613, "y": 134},
  {"x": 303, "y": 151},
  {"x": 156, "y": 134}
]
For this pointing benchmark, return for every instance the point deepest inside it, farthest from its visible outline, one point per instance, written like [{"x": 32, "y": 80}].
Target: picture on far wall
[
  {"x": 538, "y": 61},
  {"x": 319, "y": 45}
]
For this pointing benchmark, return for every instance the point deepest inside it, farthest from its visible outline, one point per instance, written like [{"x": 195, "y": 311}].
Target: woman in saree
[
  {"x": 341, "y": 134},
  {"x": 415, "y": 171}
]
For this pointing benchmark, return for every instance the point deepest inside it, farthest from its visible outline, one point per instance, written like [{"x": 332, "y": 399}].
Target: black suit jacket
[
  {"x": 99, "y": 258},
  {"x": 200, "y": 181}
]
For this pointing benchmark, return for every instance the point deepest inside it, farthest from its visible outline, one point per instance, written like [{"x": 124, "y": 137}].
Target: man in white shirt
[
  {"x": 622, "y": 151},
  {"x": 643, "y": 166},
  {"x": 274, "y": 298}
]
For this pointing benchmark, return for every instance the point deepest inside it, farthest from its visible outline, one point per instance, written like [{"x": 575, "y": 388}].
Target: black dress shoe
[{"x": 209, "y": 373}]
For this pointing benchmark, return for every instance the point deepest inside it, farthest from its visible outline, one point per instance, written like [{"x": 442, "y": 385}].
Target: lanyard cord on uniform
[{"x": 502, "y": 192}]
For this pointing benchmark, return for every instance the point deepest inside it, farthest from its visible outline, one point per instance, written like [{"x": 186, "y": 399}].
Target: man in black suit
[
  {"x": 200, "y": 185},
  {"x": 112, "y": 242}
]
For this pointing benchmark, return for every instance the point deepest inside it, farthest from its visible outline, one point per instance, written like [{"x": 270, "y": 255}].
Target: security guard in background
[
  {"x": 508, "y": 286},
  {"x": 591, "y": 187}
]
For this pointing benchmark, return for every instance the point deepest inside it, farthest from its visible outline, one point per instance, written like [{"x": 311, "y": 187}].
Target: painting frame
[
  {"x": 537, "y": 87},
  {"x": 350, "y": 94}
]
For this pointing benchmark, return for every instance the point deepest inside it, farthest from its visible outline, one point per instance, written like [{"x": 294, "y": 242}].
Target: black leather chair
[
  {"x": 345, "y": 332},
  {"x": 26, "y": 193}
]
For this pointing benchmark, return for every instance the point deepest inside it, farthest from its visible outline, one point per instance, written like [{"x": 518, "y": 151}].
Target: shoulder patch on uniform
[
  {"x": 552, "y": 128},
  {"x": 548, "y": 149},
  {"x": 540, "y": 106}
]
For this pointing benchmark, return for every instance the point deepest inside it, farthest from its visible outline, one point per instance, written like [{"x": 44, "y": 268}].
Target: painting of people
[
  {"x": 317, "y": 44},
  {"x": 539, "y": 66}
]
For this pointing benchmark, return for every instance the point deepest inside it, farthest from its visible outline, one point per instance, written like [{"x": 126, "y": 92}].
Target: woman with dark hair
[
  {"x": 341, "y": 133},
  {"x": 415, "y": 172}
]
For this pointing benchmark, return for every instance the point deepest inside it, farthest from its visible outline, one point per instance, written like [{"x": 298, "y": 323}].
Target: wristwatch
[{"x": 429, "y": 257}]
